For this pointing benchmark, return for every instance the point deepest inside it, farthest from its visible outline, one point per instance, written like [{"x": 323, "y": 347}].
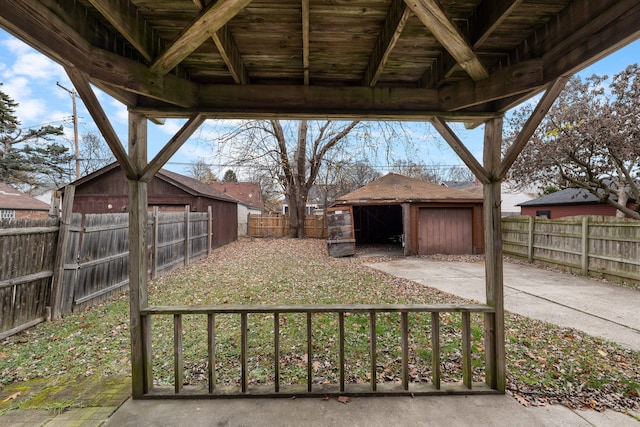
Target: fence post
[
  {"x": 249, "y": 224},
  {"x": 585, "y": 245},
  {"x": 532, "y": 226},
  {"x": 61, "y": 251},
  {"x": 209, "y": 229},
  {"x": 187, "y": 231},
  {"x": 154, "y": 243}
]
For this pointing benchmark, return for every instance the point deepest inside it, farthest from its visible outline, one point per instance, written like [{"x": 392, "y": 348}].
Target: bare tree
[
  {"x": 201, "y": 171},
  {"x": 590, "y": 139},
  {"x": 417, "y": 169},
  {"x": 94, "y": 153},
  {"x": 292, "y": 153}
]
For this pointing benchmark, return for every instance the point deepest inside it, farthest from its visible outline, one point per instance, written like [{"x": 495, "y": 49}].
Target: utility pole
[{"x": 75, "y": 128}]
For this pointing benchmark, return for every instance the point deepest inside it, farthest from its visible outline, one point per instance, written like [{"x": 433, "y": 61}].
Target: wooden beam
[
  {"x": 531, "y": 125},
  {"x": 124, "y": 16},
  {"x": 461, "y": 150},
  {"x": 305, "y": 41},
  {"x": 102, "y": 121},
  {"x": 504, "y": 83},
  {"x": 231, "y": 56},
  {"x": 171, "y": 147},
  {"x": 62, "y": 43},
  {"x": 489, "y": 16},
  {"x": 397, "y": 18},
  {"x": 229, "y": 51},
  {"x": 206, "y": 24},
  {"x": 435, "y": 18}
]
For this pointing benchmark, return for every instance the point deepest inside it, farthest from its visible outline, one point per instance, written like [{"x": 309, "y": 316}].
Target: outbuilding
[
  {"x": 422, "y": 217},
  {"x": 107, "y": 191}
]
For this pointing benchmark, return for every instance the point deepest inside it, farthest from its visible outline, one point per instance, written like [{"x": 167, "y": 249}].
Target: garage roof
[{"x": 395, "y": 188}]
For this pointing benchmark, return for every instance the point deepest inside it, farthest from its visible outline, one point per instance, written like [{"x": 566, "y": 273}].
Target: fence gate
[{"x": 341, "y": 239}]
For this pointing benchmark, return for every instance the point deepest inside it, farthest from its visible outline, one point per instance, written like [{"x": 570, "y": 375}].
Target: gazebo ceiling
[{"x": 385, "y": 59}]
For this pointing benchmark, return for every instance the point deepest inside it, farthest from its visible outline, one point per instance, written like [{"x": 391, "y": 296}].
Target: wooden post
[
  {"x": 187, "y": 231},
  {"x": 209, "y": 230},
  {"x": 585, "y": 245},
  {"x": 154, "y": 243},
  {"x": 61, "y": 251},
  {"x": 141, "y": 377},
  {"x": 532, "y": 228},
  {"x": 494, "y": 324}
]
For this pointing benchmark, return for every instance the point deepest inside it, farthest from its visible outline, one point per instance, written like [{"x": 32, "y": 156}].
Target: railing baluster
[
  {"x": 243, "y": 351},
  {"x": 276, "y": 350},
  {"x": 211, "y": 351},
  {"x": 435, "y": 351},
  {"x": 147, "y": 354},
  {"x": 177, "y": 353},
  {"x": 341, "y": 348},
  {"x": 373, "y": 350},
  {"x": 309, "y": 354},
  {"x": 466, "y": 349},
  {"x": 404, "y": 326}
]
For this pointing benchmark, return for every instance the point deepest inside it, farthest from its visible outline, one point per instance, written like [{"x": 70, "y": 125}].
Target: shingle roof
[
  {"x": 568, "y": 196},
  {"x": 246, "y": 192},
  {"x": 398, "y": 188},
  {"x": 14, "y": 200}
]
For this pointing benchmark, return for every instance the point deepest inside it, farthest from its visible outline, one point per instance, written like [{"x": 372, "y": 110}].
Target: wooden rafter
[
  {"x": 102, "y": 121},
  {"x": 487, "y": 17},
  {"x": 129, "y": 23},
  {"x": 207, "y": 23},
  {"x": 435, "y": 18},
  {"x": 394, "y": 24},
  {"x": 305, "y": 40},
  {"x": 229, "y": 51}
]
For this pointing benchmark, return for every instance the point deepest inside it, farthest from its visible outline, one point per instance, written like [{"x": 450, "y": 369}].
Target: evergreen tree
[
  {"x": 30, "y": 159},
  {"x": 230, "y": 176}
]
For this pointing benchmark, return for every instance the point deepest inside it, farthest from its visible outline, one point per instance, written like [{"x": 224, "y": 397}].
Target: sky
[{"x": 32, "y": 79}]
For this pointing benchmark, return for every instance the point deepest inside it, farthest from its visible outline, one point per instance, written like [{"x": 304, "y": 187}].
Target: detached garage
[{"x": 422, "y": 217}]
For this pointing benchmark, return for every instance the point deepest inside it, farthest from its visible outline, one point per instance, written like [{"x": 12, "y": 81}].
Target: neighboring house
[
  {"x": 427, "y": 218},
  {"x": 569, "y": 202},
  {"x": 107, "y": 191},
  {"x": 249, "y": 199},
  {"x": 511, "y": 197},
  {"x": 17, "y": 205}
]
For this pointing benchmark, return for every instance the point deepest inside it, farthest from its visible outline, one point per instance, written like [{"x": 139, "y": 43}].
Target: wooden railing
[{"x": 340, "y": 387}]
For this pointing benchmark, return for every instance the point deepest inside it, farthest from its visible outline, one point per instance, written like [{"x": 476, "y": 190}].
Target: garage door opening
[{"x": 378, "y": 227}]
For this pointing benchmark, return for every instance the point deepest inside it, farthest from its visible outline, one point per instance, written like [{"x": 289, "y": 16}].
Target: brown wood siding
[{"x": 445, "y": 231}]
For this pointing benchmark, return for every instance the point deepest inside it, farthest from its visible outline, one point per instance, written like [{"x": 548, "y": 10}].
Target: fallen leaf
[
  {"x": 13, "y": 396},
  {"x": 520, "y": 398},
  {"x": 344, "y": 399}
]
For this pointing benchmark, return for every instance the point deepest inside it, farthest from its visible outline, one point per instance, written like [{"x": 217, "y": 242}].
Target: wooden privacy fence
[
  {"x": 27, "y": 252},
  {"x": 86, "y": 260},
  {"x": 598, "y": 246},
  {"x": 277, "y": 225},
  {"x": 243, "y": 385}
]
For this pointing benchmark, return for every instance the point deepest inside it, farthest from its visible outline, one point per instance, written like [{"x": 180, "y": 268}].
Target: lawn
[{"x": 545, "y": 363}]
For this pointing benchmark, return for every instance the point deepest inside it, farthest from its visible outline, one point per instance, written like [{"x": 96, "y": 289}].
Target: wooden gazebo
[{"x": 420, "y": 60}]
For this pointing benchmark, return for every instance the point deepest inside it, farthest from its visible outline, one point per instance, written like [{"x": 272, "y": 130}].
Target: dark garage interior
[{"x": 378, "y": 224}]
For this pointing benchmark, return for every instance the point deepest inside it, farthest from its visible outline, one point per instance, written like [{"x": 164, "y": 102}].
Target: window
[
  {"x": 7, "y": 214},
  {"x": 544, "y": 214}
]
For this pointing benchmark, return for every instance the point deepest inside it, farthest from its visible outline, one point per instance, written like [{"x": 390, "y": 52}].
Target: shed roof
[
  {"x": 395, "y": 188},
  {"x": 187, "y": 184},
  {"x": 12, "y": 199},
  {"x": 568, "y": 196}
]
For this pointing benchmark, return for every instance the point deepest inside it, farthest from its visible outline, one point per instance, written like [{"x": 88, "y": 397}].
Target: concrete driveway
[{"x": 598, "y": 308}]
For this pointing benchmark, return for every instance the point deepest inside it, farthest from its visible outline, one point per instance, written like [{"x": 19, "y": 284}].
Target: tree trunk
[
  {"x": 622, "y": 199},
  {"x": 297, "y": 212}
]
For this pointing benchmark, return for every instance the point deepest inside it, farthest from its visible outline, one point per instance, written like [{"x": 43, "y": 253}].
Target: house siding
[{"x": 559, "y": 211}]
